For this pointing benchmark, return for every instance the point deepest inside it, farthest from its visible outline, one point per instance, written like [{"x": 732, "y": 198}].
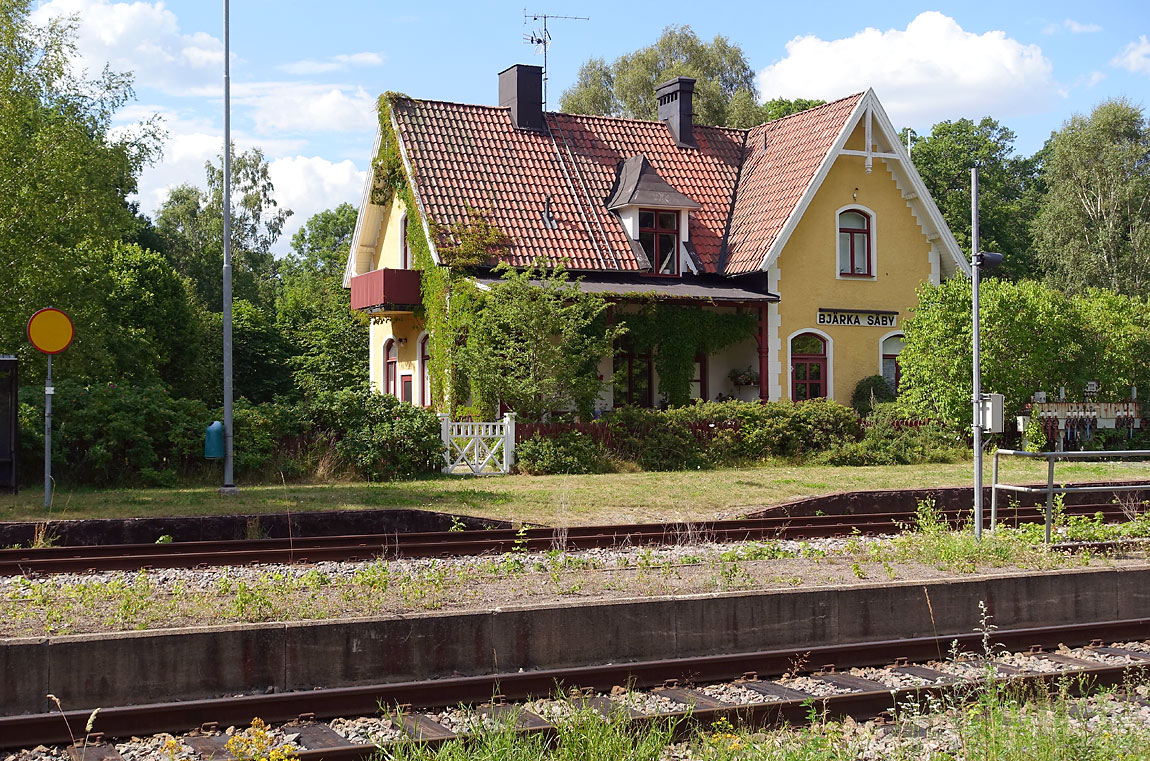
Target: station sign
[{"x": 866, "y": 318}]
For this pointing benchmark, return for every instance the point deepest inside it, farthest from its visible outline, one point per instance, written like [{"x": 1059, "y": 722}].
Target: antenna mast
[{"x": 541, "y": 39}]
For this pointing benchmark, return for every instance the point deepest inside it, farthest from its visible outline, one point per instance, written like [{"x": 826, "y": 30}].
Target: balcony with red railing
[{"x": 386, "y": 290}]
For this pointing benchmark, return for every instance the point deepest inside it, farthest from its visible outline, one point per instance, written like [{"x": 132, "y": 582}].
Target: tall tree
[
  {"x": 1009, "y": 187},
  {"x": 1093, "y": 228},
  {"x": 64, "y": 179},
  {"x": 191, "y": 223},
  {"x": 627, "y": 87},
  {"x": 329, "y": 341}
]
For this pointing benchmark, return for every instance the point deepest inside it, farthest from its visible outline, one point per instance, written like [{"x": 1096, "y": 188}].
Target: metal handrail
[{"x": 1050, "y": 490}]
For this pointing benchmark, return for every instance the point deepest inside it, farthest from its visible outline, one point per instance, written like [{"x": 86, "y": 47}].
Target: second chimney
[
  {"x": 521, "y": 90},
  {"x": 677, "y": 109}
]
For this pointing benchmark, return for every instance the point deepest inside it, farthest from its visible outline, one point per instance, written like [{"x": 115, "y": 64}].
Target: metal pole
[
  {"x": 48, "y": 391},
  {"x": 994, "y": 493},
  {"x": 977, "y": 398},
  {"x": 229, "y": 485},
  {"x": 1049, "y": 495}
]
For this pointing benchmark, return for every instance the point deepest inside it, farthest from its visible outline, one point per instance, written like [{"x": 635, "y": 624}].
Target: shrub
[
  {"x": 111, "y": 433},
  {"x": 889, "y": 439},
  {"x": 654, "y": 440},
  {"x": 870, "y": 390},
  {"x": 572, "y": 452},
  {"x": 376, "y": 435},
  {"x": 269, "y": 437}
]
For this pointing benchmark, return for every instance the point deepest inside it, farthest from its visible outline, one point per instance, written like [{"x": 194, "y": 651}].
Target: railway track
[
  {"x": 861, "y": 680},
  {"x": 130, "y": 557}
]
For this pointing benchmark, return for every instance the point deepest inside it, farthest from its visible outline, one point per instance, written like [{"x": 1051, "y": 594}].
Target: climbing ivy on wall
[
  {"x": 675, "y": 334},
  {"x": 448, "y": 295}
]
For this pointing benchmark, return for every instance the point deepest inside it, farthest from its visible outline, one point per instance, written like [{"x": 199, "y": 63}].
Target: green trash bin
[{"x": 214, "y": 441}]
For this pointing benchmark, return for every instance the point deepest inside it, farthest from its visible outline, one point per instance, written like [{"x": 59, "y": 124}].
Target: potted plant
[{"x": 748, "y": 377}]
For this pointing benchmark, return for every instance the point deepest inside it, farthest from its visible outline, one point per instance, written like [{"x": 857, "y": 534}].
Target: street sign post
[{"x": 50, "y": 331}]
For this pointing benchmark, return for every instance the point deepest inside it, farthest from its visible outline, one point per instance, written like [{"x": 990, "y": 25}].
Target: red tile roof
[
  {"x": 464, "y": 155},
  {"x": 781, "y": 159}
]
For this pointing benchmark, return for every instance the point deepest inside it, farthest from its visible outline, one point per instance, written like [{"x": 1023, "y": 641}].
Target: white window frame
[
  {"x": 882, "y": 340},
  {"x": 404, "y": 249},
  {"x": 873, "y": 241},
  {"x": 423, "y": 375}
]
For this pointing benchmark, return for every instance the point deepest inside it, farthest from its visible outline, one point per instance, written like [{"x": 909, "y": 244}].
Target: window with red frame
[
  {"x": 808, "y": 367},
  {"x": 632, "y": 378},
  {"x": 891, "y": 348},
  {"x": 405, "y": 385},
  {"x": 425, "y": 381},
  {"x": 699, "y": 381},
  {"x": 390, "y": 366},
  {"x": 854, "y": 244},
  {"x": 659, "y": 236}
]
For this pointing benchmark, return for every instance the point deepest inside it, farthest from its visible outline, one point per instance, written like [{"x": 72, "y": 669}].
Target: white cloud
[
  {"x": 1136, "y": 57},
  {"x": 303, "y": 107},
  {"x": 336, "y": 63},
  {"x": 143, "y": 38},
  {"x": 1076, "y": 28},
  {"x": 310, "y": 184},
  {"x": 930, "y": 71}
]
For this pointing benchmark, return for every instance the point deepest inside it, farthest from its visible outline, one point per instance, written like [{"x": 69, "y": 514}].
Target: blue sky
[{"x": 305, "y": 75}]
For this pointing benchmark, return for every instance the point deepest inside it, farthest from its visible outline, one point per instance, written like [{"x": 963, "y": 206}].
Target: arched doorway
[
  {"x": 390, "y": 366},
  {"x": 808, "y": 367},
  {"x": 425, "y": 371}
]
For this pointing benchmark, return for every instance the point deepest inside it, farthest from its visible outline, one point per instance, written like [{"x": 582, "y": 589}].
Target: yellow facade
[{"x": 808, "y": 279}]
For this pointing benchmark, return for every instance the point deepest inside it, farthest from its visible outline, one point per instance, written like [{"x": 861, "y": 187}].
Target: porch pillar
[{"x": 764, "y": 355}]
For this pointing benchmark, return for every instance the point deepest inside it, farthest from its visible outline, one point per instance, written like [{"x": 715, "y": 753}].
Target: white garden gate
[{"x": 480, "y": 448}]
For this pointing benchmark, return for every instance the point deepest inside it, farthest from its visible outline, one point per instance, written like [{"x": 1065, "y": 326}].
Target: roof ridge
[{"x": 828, "y": 104}]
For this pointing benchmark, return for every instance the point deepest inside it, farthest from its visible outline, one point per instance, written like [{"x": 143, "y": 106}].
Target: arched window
[
  {"x": 390, "y": 366},
  {"x": 404, "y": 249},
  {"x": 808, "y": 367},
  {"x": 892, "y": 346},
  {"x": 854, "y": 243},
  {"x": 425, "y": 372}
]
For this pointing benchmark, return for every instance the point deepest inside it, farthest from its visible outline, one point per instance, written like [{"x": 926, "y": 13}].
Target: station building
[{"x": 817, "y": 223}]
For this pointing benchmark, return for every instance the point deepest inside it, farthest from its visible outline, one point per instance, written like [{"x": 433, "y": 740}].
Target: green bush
[
  {"x": 270, "y": 437},
  {"x": 572, "y": 452},
  {"x": 654, "y": 440},
  {"x": 376, "y": 435},
  {"x": 112, "y": 433},
  {"x": 869, "y": 391},
  {"x": 888, "y": 440}
]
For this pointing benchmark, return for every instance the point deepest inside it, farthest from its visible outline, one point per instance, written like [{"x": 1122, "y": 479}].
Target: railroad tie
[
  {"x": 776, "y": 690},
  {"x": 851, "y": 682},
  {"x": 929, "y": 674},
  {"x": 320, "y": 737},
  {"x": 689, "y": 697},
  {"x": 525, "y": 719},
  {"x": 1132, "y": 654},
  {"x": 210, "y": 747},
  {"x": 97, "y": 751},
  {"x": 419, "y": 727}
]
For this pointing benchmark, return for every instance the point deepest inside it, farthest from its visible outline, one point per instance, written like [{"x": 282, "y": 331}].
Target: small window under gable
[
  {"x": 654, "y": 214},
  {"x": 855, "y": 231}
]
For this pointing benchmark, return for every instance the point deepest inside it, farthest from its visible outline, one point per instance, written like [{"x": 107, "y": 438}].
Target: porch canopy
[{"x": 695, "y": 289}]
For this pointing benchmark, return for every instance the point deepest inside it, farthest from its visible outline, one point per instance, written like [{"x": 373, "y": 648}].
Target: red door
[{"x": 808, "y": 367}]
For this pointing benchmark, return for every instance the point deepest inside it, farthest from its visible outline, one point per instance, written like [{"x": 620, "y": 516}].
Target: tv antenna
[{"x": 541, "y": 39}]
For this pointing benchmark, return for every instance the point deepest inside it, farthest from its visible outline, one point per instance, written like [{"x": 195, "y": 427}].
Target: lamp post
[
  {"x": 978, "y": 260},
  {"x": 229, "y": 486}
]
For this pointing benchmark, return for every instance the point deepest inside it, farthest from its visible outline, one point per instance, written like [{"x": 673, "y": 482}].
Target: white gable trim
[
  {"x": 870, "y": 108},
  {"x": 349, "y": 271}
]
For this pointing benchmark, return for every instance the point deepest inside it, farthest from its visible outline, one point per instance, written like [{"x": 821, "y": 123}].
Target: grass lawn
[{"x": 553, "y": 500}]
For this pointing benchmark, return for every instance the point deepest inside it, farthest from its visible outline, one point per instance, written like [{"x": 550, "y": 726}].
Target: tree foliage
[
  {"x": 191, "y": 224},
  {"x": 1034, "y": 338},
  {"x": 1009, "y": 187},
  {"x": 64, "y": 179},
  {"x": 627, "y": 86},
  {"x": 328, "y": 341},
  {"x": 535, "y": 344},
  {"x": 1094, "y": 225}
]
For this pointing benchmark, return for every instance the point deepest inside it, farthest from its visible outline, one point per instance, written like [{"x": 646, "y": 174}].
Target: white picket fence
[{"x": 479, "y": 448}]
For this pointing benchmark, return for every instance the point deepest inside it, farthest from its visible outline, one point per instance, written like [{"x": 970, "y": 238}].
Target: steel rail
[
  {"x": 126, "y": 557},
  {"x": 53, "y": 728}
]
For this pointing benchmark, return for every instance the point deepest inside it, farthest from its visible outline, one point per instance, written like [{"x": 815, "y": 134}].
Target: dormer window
[
  {"x": 659, "y": 236},
  {"x": 854, "y": 243}
]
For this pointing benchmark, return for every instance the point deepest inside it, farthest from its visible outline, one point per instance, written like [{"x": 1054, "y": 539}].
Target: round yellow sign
[{"x": 50, "y": 330}]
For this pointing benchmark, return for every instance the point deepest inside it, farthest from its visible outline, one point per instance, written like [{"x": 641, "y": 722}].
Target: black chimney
[
  {"x": 676, "y": 108},
  {"x": 521, "y": 89}
]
